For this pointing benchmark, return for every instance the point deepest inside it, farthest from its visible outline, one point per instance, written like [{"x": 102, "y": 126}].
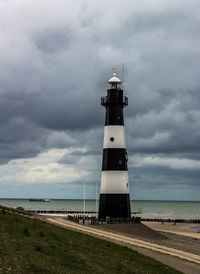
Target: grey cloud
[
  {"x": 60, "y": 140},
  {"x": 69, "y": 159},
  {"x": 53, "y": 41},
  {"x": 171, "y": 130},
  {"x": 54, "y": 70},
  {"x": 19, "y": 138},
  {"x": 170, "y": 174},
  {"x": 164, "y": 183}
]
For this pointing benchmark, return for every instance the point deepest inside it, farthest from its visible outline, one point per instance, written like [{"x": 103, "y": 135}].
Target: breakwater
[{"x": 92, "y": 214}]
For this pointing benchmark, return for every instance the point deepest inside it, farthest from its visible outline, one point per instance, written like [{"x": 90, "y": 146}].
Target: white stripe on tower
[
  {"x": 114, "y": 181},
  {"x": 114, "y": 137}
]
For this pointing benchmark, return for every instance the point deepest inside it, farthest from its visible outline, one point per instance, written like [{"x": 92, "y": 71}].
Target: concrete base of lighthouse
[{"x": 114, "y": 206}]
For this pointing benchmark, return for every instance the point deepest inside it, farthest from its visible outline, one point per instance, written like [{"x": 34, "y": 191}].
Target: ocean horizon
[{"x": 146, "y": 208}]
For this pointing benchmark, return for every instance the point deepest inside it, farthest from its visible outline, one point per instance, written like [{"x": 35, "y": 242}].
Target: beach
[{"x": 182, "y": 229}]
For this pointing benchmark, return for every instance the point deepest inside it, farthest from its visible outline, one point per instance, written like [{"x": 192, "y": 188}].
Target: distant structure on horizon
[{"x": 114, "y": 199}]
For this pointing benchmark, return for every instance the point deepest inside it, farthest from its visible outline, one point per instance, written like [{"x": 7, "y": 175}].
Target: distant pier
[{"x": 79, "y": 212}]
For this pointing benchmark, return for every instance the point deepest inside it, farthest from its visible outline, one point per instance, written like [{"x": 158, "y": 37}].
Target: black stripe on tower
[
  {"x": 114, "y": 115},
  {"x": 114, "y": 206},
  {"x": 114, "y": 159}
]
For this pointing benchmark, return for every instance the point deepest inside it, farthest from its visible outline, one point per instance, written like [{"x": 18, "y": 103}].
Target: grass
[{"x": 28, "y": 245}]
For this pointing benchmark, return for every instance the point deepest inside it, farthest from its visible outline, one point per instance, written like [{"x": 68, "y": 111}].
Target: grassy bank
[{"x": 28, "y": 245}]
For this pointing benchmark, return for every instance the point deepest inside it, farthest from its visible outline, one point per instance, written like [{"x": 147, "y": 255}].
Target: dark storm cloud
[
  {"x": 170, "y": 173},
  {"x": 54, "y": 64},
  {"x": 64, "y": 112},
  {"x": 174, "y": 129},
  {"x": 20, "y": 138},
  {"x": 164, "y": 183}
]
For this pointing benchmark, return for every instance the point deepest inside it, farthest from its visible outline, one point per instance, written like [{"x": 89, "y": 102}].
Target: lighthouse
[{"x": 114, "y": 199}]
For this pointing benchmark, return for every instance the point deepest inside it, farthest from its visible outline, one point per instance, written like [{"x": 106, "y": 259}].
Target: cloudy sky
[{"x": 55, "y": 60}]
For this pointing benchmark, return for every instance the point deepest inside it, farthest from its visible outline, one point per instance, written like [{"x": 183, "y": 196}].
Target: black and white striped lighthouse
[{"x": 114, "y": 192}]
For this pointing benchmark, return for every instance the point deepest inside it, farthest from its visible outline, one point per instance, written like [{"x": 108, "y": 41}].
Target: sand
[{"x": 185, "y": 229}]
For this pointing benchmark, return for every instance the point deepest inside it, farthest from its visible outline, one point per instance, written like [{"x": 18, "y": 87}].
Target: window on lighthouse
[{"x": 112, "y": 139}]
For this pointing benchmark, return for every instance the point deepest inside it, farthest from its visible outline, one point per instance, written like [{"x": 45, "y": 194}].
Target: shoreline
[
  {"x": 183, "y": 229},
  {"x": 146, "y": 209}
]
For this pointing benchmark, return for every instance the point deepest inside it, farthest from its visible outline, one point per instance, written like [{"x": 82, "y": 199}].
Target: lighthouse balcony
[{"x": 117, "y": 100}]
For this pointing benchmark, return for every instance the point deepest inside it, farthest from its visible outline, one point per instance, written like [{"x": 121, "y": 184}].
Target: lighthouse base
[{"x": 114, "y": 206}]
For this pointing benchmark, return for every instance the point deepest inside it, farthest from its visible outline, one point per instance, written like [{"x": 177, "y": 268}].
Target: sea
[{"x": 145, "y": 209}]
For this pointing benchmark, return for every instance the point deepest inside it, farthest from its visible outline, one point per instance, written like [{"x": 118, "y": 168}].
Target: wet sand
[{"x": 185, "y": 229}]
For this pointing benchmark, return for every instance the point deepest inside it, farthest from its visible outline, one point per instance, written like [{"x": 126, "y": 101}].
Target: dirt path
[{"x": 181, "y": 260}]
